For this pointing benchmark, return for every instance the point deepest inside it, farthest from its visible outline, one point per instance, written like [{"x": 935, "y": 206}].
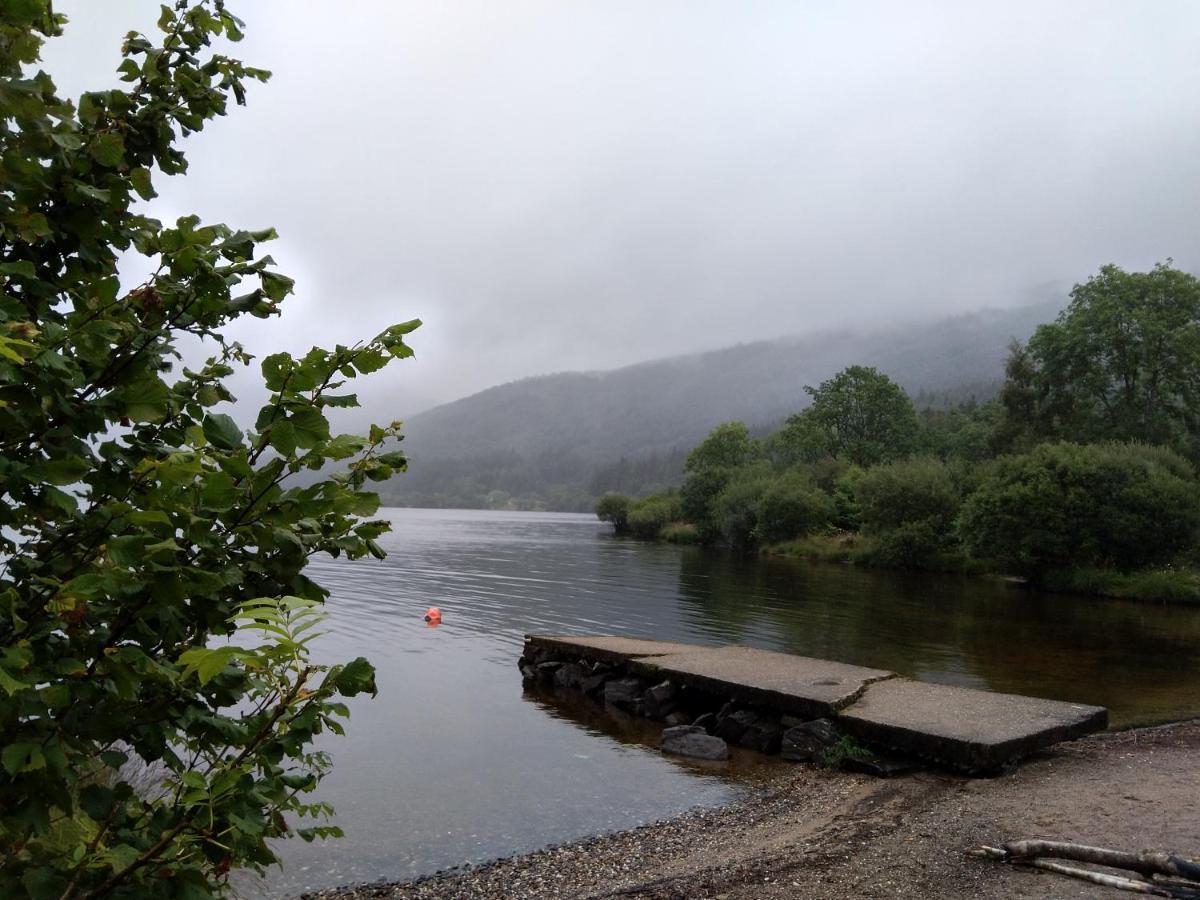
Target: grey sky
[{"x": 564, "y": 185}]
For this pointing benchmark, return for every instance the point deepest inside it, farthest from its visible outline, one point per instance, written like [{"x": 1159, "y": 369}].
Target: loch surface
[{"x": 454, "y": 762}]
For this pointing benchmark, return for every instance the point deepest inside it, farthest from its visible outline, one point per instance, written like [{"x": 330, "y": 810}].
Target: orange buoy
[{"x": 433, "y": 615}]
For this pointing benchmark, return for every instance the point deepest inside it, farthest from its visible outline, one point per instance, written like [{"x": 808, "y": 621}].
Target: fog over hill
[{"x": 558, "y": 440}]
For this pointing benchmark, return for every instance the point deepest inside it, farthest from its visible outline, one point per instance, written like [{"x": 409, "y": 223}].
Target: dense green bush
[
  {"x": 649, "y": 515},
  {"x": 709, "y": 467},
  {"x": 679, "y": 533},
  {"x": 735, "y": 510},
  {"x": 847, "y": 514},
  {"x": 791, "y": 506},
  {"x": 697, "y": 496},
  {"x": 909, "y": 507},
  {"x": 1120, "y": 506},
  {"x": 614, "y": 508},
  {"x": 824, "y": 473}
]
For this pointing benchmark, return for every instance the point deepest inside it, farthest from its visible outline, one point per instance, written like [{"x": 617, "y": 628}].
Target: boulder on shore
[{"x": 693, "y": 741}]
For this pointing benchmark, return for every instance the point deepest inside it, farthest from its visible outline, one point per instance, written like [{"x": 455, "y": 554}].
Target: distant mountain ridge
[{"x": 540, "y": 440}]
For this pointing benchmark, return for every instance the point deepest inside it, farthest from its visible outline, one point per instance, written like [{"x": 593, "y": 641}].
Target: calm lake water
[{"x": 454, "y": 762}]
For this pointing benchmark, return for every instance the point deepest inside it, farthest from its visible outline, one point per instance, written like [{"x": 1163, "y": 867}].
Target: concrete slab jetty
[
  {"x": 970, "y": 730},
  {"x": 798, "y": 685}
]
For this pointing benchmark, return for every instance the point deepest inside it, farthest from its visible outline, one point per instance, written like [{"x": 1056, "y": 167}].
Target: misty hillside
[{"x": 555, "y": 440}]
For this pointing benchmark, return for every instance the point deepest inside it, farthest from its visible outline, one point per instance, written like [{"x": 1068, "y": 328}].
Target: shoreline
[{"x": 809, "y": 832}]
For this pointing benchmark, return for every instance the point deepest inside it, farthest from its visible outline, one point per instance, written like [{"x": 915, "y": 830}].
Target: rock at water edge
[
  {"x": 808, "y": 741},
  {"x": 693, "y": 741}
]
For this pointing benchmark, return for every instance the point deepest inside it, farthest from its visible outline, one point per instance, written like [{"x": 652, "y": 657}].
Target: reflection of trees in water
[{"x": 1141, "y": 661}]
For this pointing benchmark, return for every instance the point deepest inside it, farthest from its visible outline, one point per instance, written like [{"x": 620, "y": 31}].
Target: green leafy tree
[
  {"x": 614, "y": 508},
  {"x": 648, "y": 516},
  {"x": 141, "y": 753},
  {"x": 799, "y": 441},
  {"x": 792, "y": 506},
  {"x": 735, "y": 510},
  {"x": 909, "y": 507},
  {"x": 1120, "y": 363},
  {"x": 866, "y": 418},
  {"x": 1116, "y": 506},
  {"x": 966, "y": 433},
  {"x": 728, "y": 446},
  {"x": 708, "y": 469}
]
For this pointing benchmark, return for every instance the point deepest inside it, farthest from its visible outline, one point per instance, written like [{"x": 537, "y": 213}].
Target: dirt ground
[{"x": 812, "y": 833}]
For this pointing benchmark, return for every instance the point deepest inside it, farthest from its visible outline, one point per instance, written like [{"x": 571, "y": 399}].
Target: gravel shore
[{"x": 813, "y": 833}]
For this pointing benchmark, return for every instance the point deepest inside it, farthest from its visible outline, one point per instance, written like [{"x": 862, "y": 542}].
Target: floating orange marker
[{"x": 433, "y": 616}]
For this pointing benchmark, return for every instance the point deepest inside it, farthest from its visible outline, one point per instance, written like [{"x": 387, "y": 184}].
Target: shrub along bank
[{"x": 861, "y": 476}]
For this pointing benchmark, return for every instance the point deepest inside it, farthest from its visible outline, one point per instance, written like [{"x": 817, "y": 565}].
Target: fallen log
[
  {"x": 1148, "y": 863},
  {"x": 1144, "y": 862}
]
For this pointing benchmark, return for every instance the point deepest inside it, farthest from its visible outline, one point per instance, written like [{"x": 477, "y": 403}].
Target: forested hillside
[{"x": 558, "y": 441}]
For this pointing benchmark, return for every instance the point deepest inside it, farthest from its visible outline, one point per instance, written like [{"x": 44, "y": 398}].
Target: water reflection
[{"x": 1140, "y": 660}]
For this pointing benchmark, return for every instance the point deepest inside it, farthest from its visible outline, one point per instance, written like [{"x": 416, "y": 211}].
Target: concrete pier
[{"x": 969, "y": 730}]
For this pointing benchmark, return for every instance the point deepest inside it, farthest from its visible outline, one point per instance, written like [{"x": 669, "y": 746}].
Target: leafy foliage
[
  {"x": 649, "y": 515},
  {"x": 614, "y": 508},
  {"x": 864, "y": 416},
  {"x": 735, "y": 510},
  {"x": 141, "y": 524},
  {"x": 1120, "y": 506},
  {"x": 792, "y": 506},
  {"x": 708, "y": 469},
  {"x": 1120, "y": 363},
  {"x": 910, "y": 507}
]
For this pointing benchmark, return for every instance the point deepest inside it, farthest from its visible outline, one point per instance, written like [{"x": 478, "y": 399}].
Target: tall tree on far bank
[
  {"x": 1122, "y": 362},
  {"x": 864, "y": 416},
  {"x": 709, "y": 467}
]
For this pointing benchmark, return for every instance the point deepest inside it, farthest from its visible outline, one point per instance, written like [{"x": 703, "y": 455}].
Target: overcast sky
[{"x": 578, "y": 185}]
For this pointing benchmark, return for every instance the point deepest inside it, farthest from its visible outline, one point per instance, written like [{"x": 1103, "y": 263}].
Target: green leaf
[
  {"x": 369, "y": 360},
  {"x": 221, "y": 431},
  {"x": 23, "y": 267},
  {"x": 206, "y": 663},
  {"x": 126, "y": 551},
  {"x": 12, "y": 685},
  {"x": 311, "y": 428},
  {"x": 219, "y": 491},
  {"x": 108, "y": 149},
  {"x": 119, "y": 856},
  {"x": 22, "y": 757},
  {"x": 343, "y": 446},
  {"x": 275, "y": 370},
  {"x": 63, "y": 471},
  {"x": 68, "y": 140},
  {"x": 44, "y": 883},
  {"x": 140, "y": 179},
  {"x": 283, "y": 437},
  {"x": 146, "y": 399},
  {"x": 276, "y": 286},
  {"x": 354, "y": 678},
  {"x": 396, "y": 459}
]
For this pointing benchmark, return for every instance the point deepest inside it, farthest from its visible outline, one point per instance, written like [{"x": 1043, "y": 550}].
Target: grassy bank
[
  {"x": 859, "y": 549},
  {"x": 1167, "y": 585}
]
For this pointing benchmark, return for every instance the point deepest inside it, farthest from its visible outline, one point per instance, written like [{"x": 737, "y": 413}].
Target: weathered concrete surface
[
  {"x": 974, "y": 731},
  {"x": 812, "y": 688},
  {"x": 977, "y": 731},
  {"x": 605, "y": 648}
]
